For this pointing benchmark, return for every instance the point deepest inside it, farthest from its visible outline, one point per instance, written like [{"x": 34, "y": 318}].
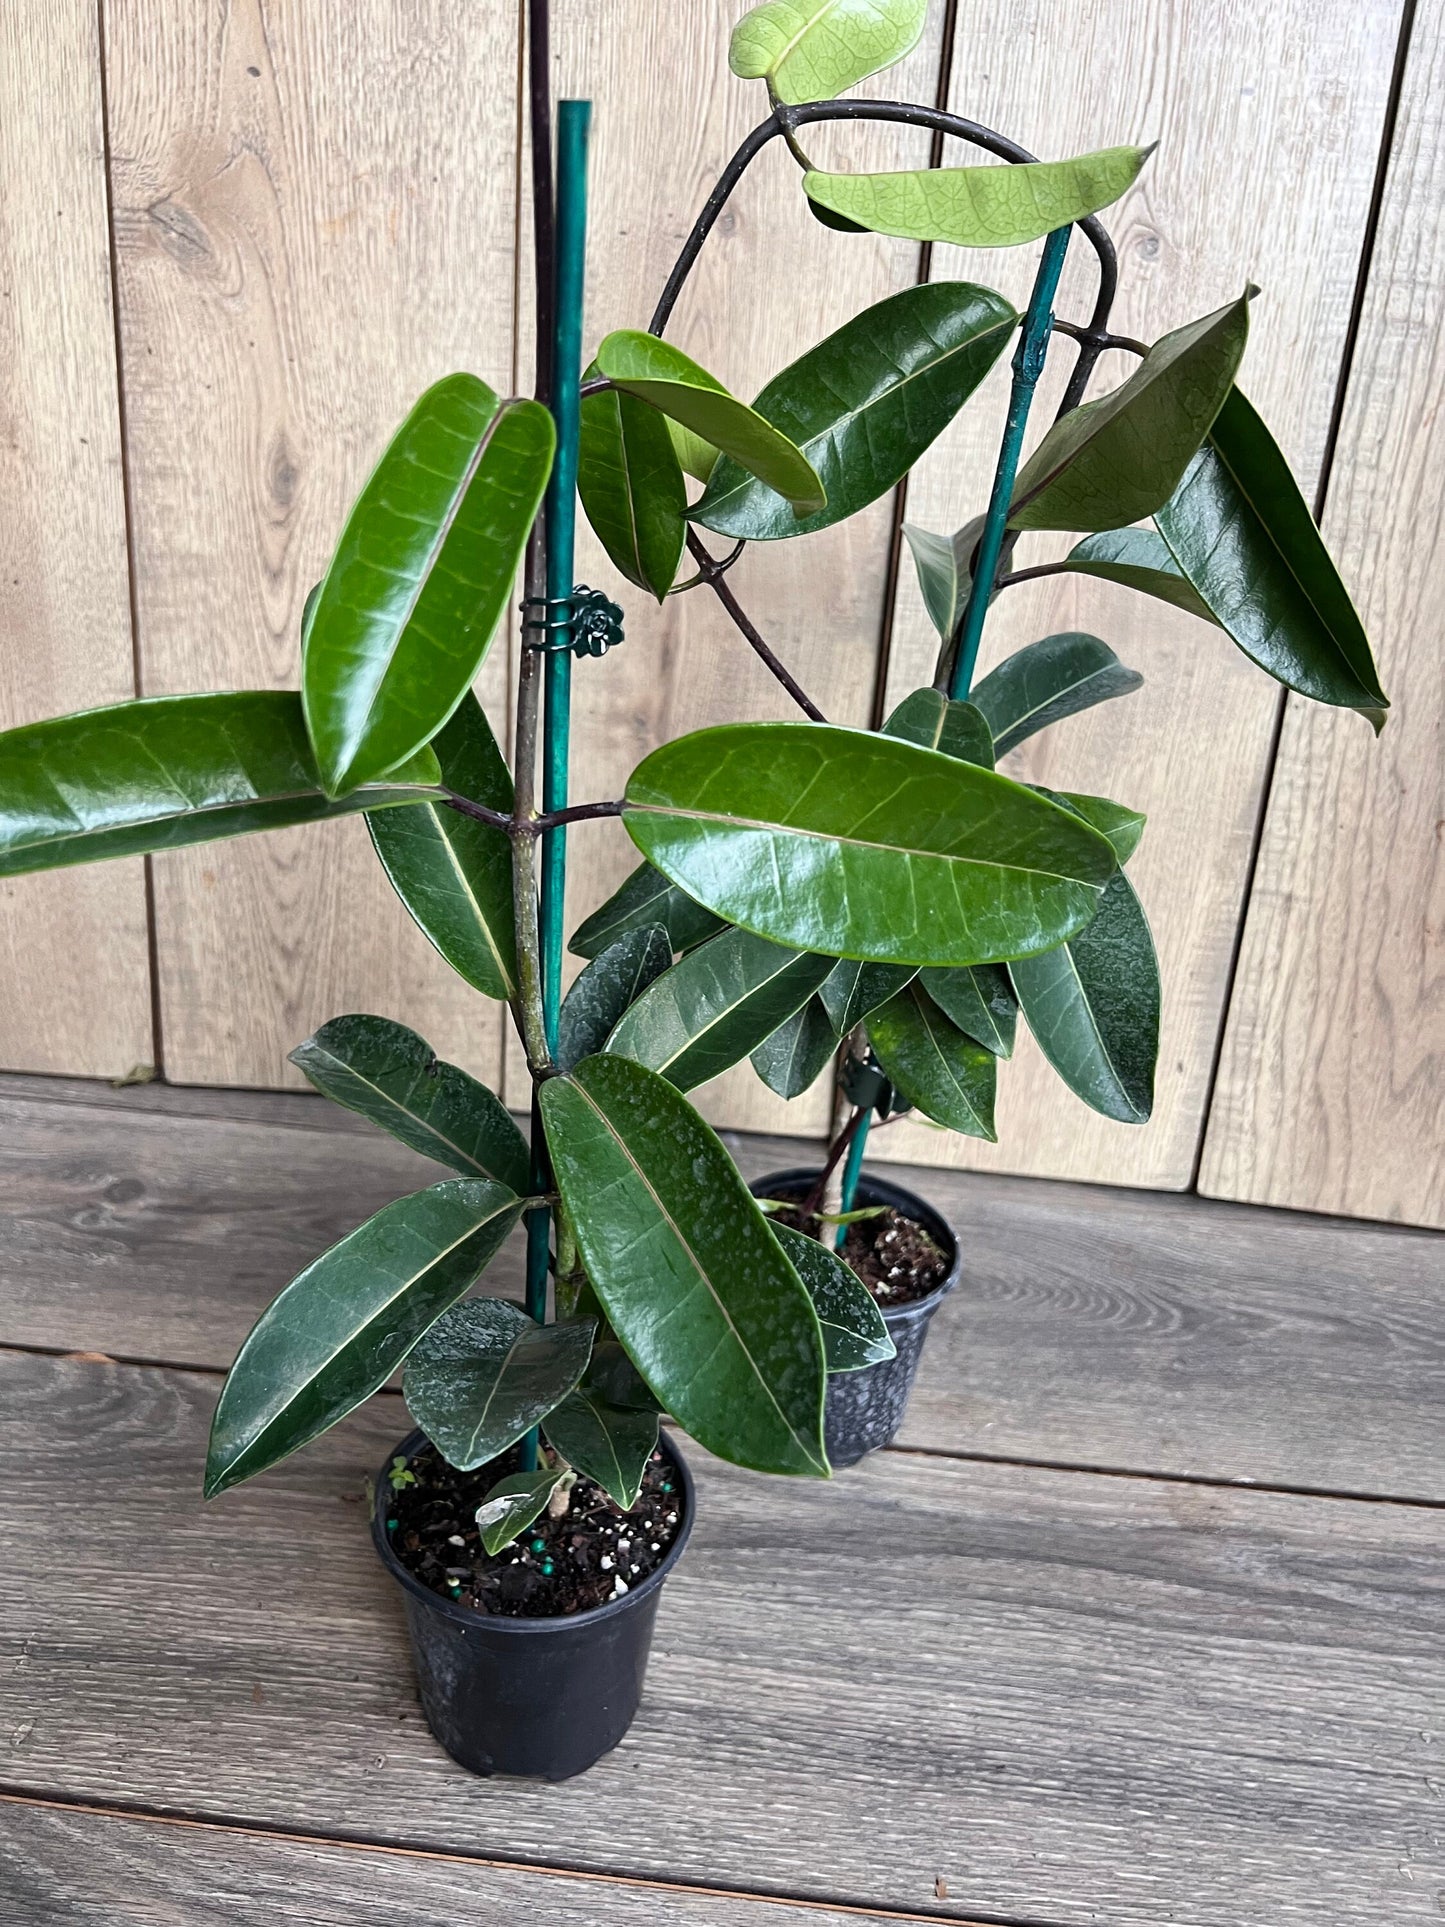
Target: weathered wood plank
[
  {"x": 314, "y": 219},
  {"x": 1331, "y": 1092},
  {"x": 73, "y": 948},
  {"x": 65, "y": 1868},
  {"x": 1096, "y": 1327},
  {"x": 1269, "y": 120},
  {"x": 1068, "y": 1698}
]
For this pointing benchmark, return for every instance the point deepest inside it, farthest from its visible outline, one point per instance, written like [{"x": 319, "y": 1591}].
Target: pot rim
[
  {"x": 884, "y": 1191},
  {"x": 554, "y": 1622}
]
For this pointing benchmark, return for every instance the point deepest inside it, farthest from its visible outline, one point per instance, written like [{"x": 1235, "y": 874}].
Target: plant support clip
[{"x": 588, "y": 622}]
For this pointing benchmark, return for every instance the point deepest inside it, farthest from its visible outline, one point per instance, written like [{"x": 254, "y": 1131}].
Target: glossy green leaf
[
  {"x": 1046, "y": 681},
  {"x": 1117, "y": 821},
  {"x": 852, "y": 989},
  {"x": 1093, "y": 1005},
  {"x": 980, "y": 1001},
  {"x": 839, "y": 841},
  {"x": 942, "y": 566},
  {"x": 341, "y": 1327},
  {"x": 662, "y": 375},
  {"x": 1242, "y": 533},
  {"x": 715, "y": 1006},
  {"x": 998, "y": 206},
  {"x": 454, "y": 874},
  {"x": 814, "y": 49},
  {"x": 616, "y": 1380},
  {"x": 854, "y": 1334},
  {"x": 1137, "y": 559},
  {"x": 693, "y": 1282},
  {"x": 486, "y": 1373},
  {"x": 394, "y": 1078},
  {"x": 959, "y": 729},
  {"x": 608, "y": 1443},
  {"x": 630, "y": 481},
  {"x": 514, "y": 1502},
  {"x": 167, "y": 772},
  {"x": 420, "y": 577},
  {"x": 698, "y": 457},
  {"x": 936, "y": 1066},
  {"x": 1120, "y": 458},
  {"x": 645, "y": 897},
  {"x": 864, "y": 404},
  {"x": 615, "y": 979},
  {"x": 793, "y": 1059}
]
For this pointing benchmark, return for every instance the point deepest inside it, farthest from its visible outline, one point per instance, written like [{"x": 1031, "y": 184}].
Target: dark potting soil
[
  {"x": 893, "y": 1255},
  {"x": 595, "y": 1552}
]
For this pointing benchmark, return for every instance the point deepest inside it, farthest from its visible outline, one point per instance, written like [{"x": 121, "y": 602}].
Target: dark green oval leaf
[
  {"x": 1046, "y": 681},
  {"x": 514, "y": 1502},
  {"x": 852, "y": 989},
  {"x": 944, "y": 576},
  {"x": 1242, "y": 533},
  {"x": 608, "y": 1443},
  {"x": 813, "y": 49},
  {"x": 851, "y": 844},
  {"x": 930, "y": 1061},
  {"x": 454, "y": 874},
  {"x": 614, "y": 980},
  {"x": 341, "y": 1327},
  {"x": 630, "y": 482},
  {"x": 1120, "y": 458},
  {"x": 958, "y": 729},
  {"x": 864, "y": 404},
  {"x": 999, "y": 206},
  {"x": 420, "y": 577},
  {"x": 692, "y": 1280},
  {"x": 167, "y": 772},
  {"x": 1137, "y": 559},
  {"x": 854, "y": 1334},
  {"x": 1117, "y": 821},
  {"x": 793, "y": 1058},
  {"x": 980, "y": 1001},
  {"x": 486, "y": 1373},
  {"x": 646, "y": 897},
  {"x": 715, "y": 1006},
  {"x": 662, "y": 375},
  {"x": 392, "y": 1076},
  {"x": 1093, "y": 1005}
]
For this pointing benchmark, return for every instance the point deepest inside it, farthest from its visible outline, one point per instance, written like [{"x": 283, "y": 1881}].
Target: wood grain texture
[
  {"x": 1095, "y": 1698},
  {"x": 1331, "y": 1093},
  {"x": 73, "y": 949},
  {"x": 770, "y": 283},
  {"x": 315, "y": 218},
  {"x": 1094, "y": 1327},
  {"x": 1269, "y": 120},
  {"x": 68, "y": 1868}
]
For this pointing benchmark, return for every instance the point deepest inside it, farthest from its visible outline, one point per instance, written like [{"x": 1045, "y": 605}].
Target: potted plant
[{"x": 806, "y": 892}]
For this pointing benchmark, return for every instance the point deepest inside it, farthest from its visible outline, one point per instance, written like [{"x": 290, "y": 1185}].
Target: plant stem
[
  {"x": 836, "y": 1150},
  {"x": 713, "y": 575}
]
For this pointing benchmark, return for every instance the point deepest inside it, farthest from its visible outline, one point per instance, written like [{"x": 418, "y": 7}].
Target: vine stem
[{"x": 713, "y": 576}]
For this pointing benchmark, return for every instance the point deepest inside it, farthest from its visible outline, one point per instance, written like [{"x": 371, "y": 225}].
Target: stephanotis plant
[{"x": 807, "y": 894}]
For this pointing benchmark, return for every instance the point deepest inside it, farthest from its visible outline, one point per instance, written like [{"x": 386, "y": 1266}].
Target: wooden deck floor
[{"x": 1157, "y": 1633}]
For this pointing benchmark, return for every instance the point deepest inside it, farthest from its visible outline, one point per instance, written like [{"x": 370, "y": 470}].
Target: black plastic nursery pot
[
  {"x": 537, "y": 1698},
  {"x": 863, "y": 1410}
]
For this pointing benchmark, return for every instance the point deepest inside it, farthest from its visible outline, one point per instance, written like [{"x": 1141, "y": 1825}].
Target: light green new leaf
[
  {"x": 793, "y": 1058},
  {"x": 341, "y": 1327},
  {"x": 864, "y": 404},
  {"x": 514, "y": 1502},
  {"x": 1119, "y": 459},
  {"x": 393, "y": 1077},
  {"x": 168, "y": 772},
  {"x": 931, "y": 1062},
  {"x": 1117, "y": 821},
  {"x": 420, "y": 577},
  {"x": 715, "y": 1006},
  {"x": 693, "y": 1282},
  {"x": 608, "y": 1443},
  {"x": 645, "y": 897},
  {"x": 486, "y": 1373},
  {"x": 611, "y": 982},
  {"x": 851, "y": 990},
  {"x": 1137, "y": 559},
  {"x": 856, "y": 845},
  {"x": 630, "y": 481},
  {"x": 957, "y": 729},
  {"x": 1242, "y": 533},
  {"x": 1046, "y": 681},
  {"x": 980, "y": 1001},
  {"x": 453, "y": 873},
  {"x": 1093, "y": 1005},
  {"x": 999, "y": 206},
  {"x": 663, "y": 376},
  {"x": 698, "y": 457},
  {"x": 813, "y": 49},
  {"x": 854, "y": 1334}
]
